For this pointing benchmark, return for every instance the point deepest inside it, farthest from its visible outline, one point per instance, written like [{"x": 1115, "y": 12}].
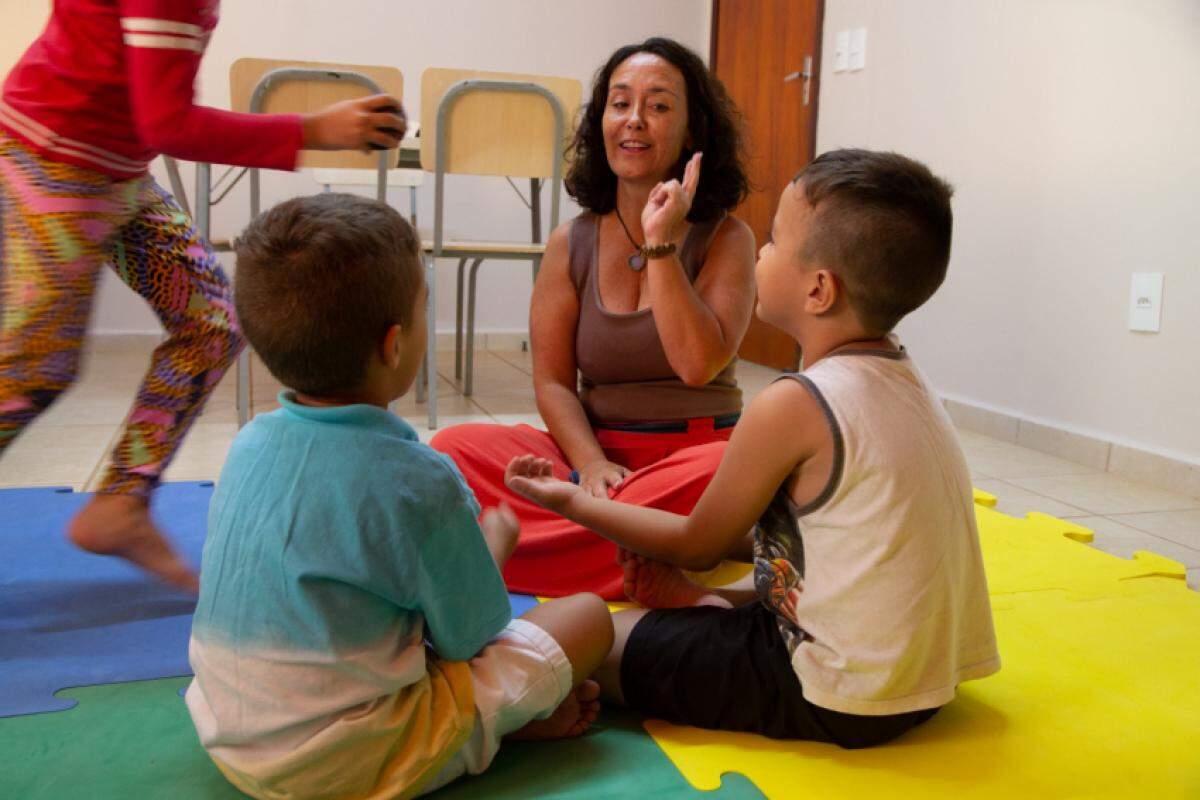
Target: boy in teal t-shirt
[{"x": 353, "y": 636}]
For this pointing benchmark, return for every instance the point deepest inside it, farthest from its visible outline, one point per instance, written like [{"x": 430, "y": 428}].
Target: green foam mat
[{"x": 135, "y": 740}]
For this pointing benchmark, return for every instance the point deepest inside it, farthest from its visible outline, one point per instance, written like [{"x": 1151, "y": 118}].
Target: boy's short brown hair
[
  {"x": 319, "y": 281},
  {"x": 883, "y": 226}
]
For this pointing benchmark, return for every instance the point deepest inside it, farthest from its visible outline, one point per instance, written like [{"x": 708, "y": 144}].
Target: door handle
[{"x": 804, "y": 74}]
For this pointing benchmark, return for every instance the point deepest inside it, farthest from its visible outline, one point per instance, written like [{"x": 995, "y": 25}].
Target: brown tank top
[{"x": 624, "y": 375}]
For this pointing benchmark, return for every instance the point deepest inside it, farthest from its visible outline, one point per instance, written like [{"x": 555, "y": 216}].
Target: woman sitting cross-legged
[{"x": 637, "y": 314}]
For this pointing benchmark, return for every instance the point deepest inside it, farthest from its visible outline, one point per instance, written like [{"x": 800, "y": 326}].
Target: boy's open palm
[{"x": 533, "y": 478}]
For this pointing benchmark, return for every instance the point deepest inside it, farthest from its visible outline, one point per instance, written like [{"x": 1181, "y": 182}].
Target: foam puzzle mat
[
  {"x": 135, "y": 740},
  {"x": 69, "y": 618},
  {"x": 1098, "y": 696}
]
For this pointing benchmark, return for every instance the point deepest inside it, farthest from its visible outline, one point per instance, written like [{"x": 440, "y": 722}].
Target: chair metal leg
[
  {"x": 412, "y": 206},
  {"x": 203, "y": 222},
  {"x": 535, "y": 214},
  {"x": 431, "y": 339},
  {"x": 177, "y": 184},
  {"x": 422, "y": 383},
  {"x": 243, "y": 388},
  {"x": 458, "y": 320},
  {"x": 469, "y": 380}
]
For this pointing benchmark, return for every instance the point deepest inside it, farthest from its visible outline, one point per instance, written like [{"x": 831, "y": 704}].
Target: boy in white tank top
[{"x": 869, "y": 603}]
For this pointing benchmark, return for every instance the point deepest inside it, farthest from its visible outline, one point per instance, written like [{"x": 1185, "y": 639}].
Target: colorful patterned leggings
[{"x": 59, "y": 225}]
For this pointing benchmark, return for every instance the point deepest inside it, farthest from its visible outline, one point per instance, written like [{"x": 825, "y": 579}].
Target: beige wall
[
  {"x": 1072, "y": 132},
  {"x": 557, "y": 37},
  {"x": 1068, "y": 127},
  {"x": 20, "y": 22}
]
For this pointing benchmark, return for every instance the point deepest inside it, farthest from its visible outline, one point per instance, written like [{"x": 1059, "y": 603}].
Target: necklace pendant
[{"x": 637, "y": 262}]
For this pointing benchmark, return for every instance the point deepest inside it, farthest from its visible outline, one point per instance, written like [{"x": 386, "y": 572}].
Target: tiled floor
[{"x": 69, "y": 445}]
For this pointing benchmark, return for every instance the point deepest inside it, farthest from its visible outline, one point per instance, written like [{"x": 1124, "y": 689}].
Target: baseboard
[{"x": 1162, "y": 470}]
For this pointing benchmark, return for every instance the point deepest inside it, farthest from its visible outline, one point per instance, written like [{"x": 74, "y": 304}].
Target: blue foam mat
[{"x": 69, "y": 618}]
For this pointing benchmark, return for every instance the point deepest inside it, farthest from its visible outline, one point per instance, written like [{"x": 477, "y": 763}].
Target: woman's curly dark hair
[{"x": 713, "y": 122}]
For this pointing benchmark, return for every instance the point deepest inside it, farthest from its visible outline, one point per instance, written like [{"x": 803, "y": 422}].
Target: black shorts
[{"x": 728, "y": 669}]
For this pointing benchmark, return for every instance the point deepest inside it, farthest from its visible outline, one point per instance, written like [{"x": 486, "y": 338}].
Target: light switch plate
[
  {"x": 1145, "y": 301},
  {"x": 858, "y": 49},
  {"x": 841, "y": 51}
]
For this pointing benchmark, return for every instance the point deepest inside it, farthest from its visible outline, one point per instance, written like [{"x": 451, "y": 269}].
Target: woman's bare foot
[
  {"x": 572, "y": 717},
  {"x": 120, "y": 525},
  {"x": 653, "y": 584}
]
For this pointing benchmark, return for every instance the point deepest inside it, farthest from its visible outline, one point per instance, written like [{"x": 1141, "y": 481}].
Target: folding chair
[
  {"x": 406, "y": 174},
  {"x": 263, "y": 86},
  {"x": 489, "y": 123}
]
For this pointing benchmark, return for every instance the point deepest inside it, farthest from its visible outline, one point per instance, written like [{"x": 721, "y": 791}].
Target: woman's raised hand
[
  {"x": 669, "y": 204},
  {"x": 533, "y": 478}
]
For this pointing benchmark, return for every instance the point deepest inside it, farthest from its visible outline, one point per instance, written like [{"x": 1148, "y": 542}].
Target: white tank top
[{"x": 878, "y": 584}]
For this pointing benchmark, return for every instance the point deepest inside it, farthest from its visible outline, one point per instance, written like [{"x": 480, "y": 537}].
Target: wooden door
[{"x": 759, "y": 51}]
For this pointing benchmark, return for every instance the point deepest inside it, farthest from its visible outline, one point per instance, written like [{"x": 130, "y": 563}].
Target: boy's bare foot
[
  {"x": 653, "y": 584},
  {"x": 572, "y": 717},
  {"x": 120, "y": 525}
]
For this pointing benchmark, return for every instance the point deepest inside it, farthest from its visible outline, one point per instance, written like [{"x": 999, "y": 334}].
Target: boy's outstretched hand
[{"x": 532, "y": 477}]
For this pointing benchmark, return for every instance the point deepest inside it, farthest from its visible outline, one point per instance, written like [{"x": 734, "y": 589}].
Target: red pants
[{"x": 554, "y": 556}]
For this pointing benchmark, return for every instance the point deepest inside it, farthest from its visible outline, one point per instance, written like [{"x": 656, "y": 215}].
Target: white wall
[
  {"x": 556, "y": 37},
  {"x": 1071, "y": 130},
  {"x": 20, "y": 22}
]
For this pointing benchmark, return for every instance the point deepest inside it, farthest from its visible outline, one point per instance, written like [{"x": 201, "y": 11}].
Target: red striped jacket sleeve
[{"x": 163, "y": 43}]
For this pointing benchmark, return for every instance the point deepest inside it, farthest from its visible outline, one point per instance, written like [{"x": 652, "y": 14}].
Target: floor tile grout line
[
  {"x": 1137, "y": 484},
  {"x": 1168, "y": 511},
  {"x": 1011, "y": 478},
  {"x": 1185, "y": 545},
  {"x": 1045, "y": 497},
  {"x": 489, "y": 414},
  {"x": 512, "y": 364}
]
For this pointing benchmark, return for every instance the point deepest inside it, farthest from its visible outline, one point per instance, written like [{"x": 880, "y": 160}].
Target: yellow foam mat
[{"x": 1098, "y": 695}]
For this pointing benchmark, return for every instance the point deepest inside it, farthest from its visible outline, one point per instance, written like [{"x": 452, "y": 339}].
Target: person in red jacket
[{"x": 109, "y": 85}]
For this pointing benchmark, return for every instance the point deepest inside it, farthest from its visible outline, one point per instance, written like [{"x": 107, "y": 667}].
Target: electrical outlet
[
  {"x": 1145, "y": 301},
  {"x": 858, "y": 49},
  {"x": 841, "y": 51}
]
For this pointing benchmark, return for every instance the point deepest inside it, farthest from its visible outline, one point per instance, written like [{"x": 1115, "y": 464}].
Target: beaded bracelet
[{"x": 650, "y": 251}]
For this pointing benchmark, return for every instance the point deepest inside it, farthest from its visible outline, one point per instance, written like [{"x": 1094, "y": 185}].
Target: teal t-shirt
[{"x": 335, "y": 531}]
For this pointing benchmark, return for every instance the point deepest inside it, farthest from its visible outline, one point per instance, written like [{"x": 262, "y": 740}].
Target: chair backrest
[
  {"x": 496, "y": 133},
  {"x": 300, "y": 96}
]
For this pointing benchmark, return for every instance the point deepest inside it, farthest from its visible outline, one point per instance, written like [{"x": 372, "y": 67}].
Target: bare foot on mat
[
  {"x": 120, "y": 525},
  {"x": 572, "y": 717},
  {"x": 653, "y": 584}
]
